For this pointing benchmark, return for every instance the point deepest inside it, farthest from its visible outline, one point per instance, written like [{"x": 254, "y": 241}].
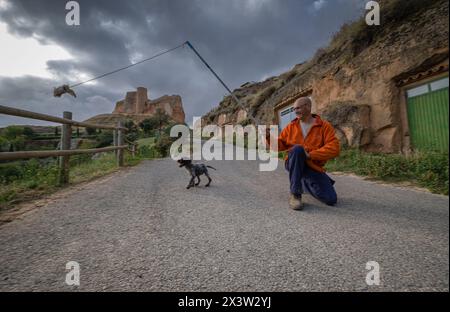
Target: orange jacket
[{"x": 321, "y": 142}]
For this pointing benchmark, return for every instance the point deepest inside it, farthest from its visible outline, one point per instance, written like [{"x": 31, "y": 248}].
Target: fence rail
[
  {"x": 38, "y": 116},
  {"x": 66, "y": 136},
  {"x": 43, "y": 154}
]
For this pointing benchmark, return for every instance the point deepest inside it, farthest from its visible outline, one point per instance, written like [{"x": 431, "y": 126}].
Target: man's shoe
[{"x": 295, "y": 202}]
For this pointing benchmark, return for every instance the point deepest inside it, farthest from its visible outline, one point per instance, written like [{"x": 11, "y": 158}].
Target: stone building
[
  {"x": 138, "y": 103},
  {"x": 137, "y": 107}
]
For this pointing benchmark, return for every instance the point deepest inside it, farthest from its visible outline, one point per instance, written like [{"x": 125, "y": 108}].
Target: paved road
[{"x": 141, "y": 230}]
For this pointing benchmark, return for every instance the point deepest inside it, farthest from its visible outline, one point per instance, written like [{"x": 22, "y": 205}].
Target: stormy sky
[{"x": 243, "y": 40}]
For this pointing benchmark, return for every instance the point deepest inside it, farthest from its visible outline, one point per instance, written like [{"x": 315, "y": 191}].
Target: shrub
[
  {"x": 90, "y": 131},
  {"x": 79, "y": 159},
  {"x": 291, "y": 76},
  {"x": 146, "y": 151},
  {"x": 9, "y": 172},
  {"x": 246, "y": 122},
  {"x": 4, "y": 144},
  {"x": 163, "y": 144},
  {"x": 105, "y": 138}
]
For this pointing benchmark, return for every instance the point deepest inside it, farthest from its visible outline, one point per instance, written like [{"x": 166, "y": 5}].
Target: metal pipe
[{"x": 223, "y": 83}]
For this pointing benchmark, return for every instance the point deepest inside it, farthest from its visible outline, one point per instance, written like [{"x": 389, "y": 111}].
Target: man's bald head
[
  {"x": 302, "y": 108},
  {"x": 303, "y": 101}
]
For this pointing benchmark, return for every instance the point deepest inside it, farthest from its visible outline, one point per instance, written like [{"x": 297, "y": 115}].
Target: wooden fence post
[
  {"x": 120, "y": 142},
  {"x": 115, "y": 141},
  {"x": 66, "y": 138}
]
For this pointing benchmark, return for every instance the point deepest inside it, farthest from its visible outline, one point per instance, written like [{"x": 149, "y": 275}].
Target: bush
[
  {"x": 157, "y": 121},
  {"x": 82, "y": 158},
  {"x": 245, "y": 122},
  {"x": 163, "y": 144},
  {"x": 14, "y": 137},
  {"x": 91, "y": 131},
  {"x": 42, "y": 171},
  {"x": 267, "y": 93},
  {"x": 146, "y": 151},
  {"x": 291, "y": 76},
  {"x": 9, "y": 172},
  {"x": 149, "y": 124},
  {"x": 105, "y": 138},
  {"x": 132, "y": 133},
  {"x": 4, "y": 144},
  {"x": 28, "y": 132}
]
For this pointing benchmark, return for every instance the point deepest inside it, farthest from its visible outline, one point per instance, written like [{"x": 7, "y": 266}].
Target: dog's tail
[{"x": 211, "y": 167}]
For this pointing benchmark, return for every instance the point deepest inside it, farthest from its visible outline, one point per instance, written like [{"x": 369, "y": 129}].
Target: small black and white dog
[{"x": 195, "y": 170}]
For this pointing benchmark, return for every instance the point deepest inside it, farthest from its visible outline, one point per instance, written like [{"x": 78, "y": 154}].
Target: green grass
[
  {"x": 20, "y": 181},
  {"x": 425, "y": 169},
  {"x": 30, "y": 180},
  {"x": 147, "y": 148},
  {"x": 147, "y": 141},
  {"x": 98, "y": 167}
]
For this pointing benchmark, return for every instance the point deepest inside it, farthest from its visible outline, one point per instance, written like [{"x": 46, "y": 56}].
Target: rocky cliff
[{"x": 356, "y": 81}]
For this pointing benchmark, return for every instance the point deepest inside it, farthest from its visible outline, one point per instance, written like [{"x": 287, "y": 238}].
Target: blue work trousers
[{"x": 304, "y": 179}]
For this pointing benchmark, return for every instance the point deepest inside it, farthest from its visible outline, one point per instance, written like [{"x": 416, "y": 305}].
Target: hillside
[{"x": 358, "y": 76}]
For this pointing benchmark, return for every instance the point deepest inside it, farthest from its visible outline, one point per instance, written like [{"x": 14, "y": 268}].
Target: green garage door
[{"x": 428, "y": 115}]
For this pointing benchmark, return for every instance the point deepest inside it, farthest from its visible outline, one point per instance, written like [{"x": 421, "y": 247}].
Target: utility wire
[
  {"x": 253, "y": 118},
  {"x": 131, "y": 65}
]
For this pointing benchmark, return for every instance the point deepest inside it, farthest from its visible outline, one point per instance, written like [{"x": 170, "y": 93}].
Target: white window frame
[{"x": 428, "y": 86}]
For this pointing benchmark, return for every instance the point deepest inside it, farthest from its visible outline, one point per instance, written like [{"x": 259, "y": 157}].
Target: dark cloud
[{"x": 243, "y": 40}]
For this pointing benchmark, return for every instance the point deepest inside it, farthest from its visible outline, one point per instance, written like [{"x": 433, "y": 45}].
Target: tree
[
  {"x": 132, "y": 130},
  {"x": 157, "y": 121},
  {"x": 4, "y": 144},
  {"x": 91, "y": 131},
  {"x": 15, "y": 137},
  {"x": 12, "y": 132},
  {"x": 28, "y": 132},
  {"x": 162, "y": 119},
  {"x": 163, "y": 144},
  {"x": 105, "y": 138},
  {"x": 149, "y": 124}
]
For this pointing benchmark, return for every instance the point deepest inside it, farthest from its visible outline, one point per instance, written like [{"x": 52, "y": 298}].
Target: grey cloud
[{"x": 244, "y": 40}]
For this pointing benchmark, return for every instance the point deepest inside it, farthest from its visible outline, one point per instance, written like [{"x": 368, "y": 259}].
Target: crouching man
[{"x": 311, "y": 142}]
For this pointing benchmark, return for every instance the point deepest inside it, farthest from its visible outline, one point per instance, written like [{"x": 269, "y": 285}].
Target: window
[
  {"x": 286, "y": 116},
  {"x": 287, "y": 111},
  {"x": 417, "y": 91},
  {"x": 428, "y": 87},
  {"x": 439, "y": 84}
]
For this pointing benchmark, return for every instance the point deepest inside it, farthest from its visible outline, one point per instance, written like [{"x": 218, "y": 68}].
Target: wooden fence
[{"x": 66, "y": 135}]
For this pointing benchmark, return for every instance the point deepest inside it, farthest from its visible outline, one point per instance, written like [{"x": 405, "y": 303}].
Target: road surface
[{"x": 142, "y": 230}]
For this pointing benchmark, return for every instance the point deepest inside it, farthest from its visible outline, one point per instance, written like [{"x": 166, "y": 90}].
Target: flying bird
[{"x": 57, "y": 92}]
